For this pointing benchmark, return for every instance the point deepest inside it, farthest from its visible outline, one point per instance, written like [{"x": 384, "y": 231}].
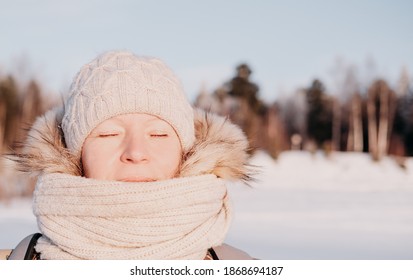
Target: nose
[{"x": 135, "y": 150}]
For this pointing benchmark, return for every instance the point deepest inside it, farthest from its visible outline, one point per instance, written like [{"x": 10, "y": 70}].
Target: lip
[{"x": 137, "y": 179}]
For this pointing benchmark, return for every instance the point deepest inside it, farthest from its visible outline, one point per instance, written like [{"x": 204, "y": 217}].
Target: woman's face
[{"x": 132, "y": 148}]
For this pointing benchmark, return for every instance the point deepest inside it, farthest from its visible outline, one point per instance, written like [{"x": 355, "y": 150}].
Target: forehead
[{"x": 135, "y": 118}]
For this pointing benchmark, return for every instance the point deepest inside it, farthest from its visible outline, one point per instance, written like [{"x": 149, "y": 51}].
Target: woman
[{"x": 128, "y": 170}]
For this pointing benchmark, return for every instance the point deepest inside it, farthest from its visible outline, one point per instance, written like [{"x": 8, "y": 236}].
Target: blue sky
[{"x": 286, "y": 43}]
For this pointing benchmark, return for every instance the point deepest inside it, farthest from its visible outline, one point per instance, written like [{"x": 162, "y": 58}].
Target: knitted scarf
[{"x": 83, "y": 218}]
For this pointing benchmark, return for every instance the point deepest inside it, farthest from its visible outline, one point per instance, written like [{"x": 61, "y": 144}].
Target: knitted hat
[{"x": 120, "y": 82}]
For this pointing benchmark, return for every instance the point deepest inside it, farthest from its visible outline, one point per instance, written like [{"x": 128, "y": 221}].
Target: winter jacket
[{"x": 220, "y": 149}]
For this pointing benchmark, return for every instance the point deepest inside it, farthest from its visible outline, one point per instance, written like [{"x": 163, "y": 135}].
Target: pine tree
[{"x": 319, "y": 120}]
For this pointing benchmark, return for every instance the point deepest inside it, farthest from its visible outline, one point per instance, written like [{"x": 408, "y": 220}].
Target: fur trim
[
  {"x": 220, "y": 148},
  {"x": 45, "y": 150}
]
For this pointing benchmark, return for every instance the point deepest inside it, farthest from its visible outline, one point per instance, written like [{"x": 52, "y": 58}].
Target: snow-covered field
[{"x": 303, "y": 206}]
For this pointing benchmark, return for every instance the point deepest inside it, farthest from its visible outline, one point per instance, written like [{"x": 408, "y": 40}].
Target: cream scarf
[{"x": 84, "y": 218}]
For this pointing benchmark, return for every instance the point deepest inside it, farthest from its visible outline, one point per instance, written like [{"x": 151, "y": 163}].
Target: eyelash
[
  {"x": 107, "y": 135},
  {"x": 159, "y": 135}
]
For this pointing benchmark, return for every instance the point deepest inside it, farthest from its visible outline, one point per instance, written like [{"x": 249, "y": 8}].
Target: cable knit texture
[
  {"x": 119, "y": 82},
  {"x": 173, "y": 219}
]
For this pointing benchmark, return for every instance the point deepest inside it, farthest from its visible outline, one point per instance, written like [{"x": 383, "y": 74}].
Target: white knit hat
[{"x": 119, "y": 82}]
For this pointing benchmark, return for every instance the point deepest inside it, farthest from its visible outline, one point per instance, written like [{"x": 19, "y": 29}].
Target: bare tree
[
  {"x": 294, "y": 109},
  {"x": 381, "y": 105},
  {"x": 336, "y": 129},
  {"x": 355, "y": 135},
  {"x": 404, "y": 83},
  {"x": 9, "y": 97},
  {"x": 31, "y": 106},
  {"x": 277, "y": 139},
  {"x": 3, "y": 113}
]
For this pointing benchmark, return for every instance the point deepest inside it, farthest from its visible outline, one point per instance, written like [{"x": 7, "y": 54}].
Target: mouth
[{"x": 137, "y": 179}]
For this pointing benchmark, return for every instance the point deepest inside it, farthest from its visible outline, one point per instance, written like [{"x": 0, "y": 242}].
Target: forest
[{"x": 377, "y": 120}]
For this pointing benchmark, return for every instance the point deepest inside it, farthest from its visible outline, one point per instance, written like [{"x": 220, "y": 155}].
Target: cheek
[
  {"x": 169, "y": 159},
  {"x": 87, "y": 161},
  {"x": 96, "y": 161}
]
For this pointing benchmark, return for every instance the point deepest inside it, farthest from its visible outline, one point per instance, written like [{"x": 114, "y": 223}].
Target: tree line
[
  {"x": 377, "y": 120},
  {"x": 20, "y": 104}
]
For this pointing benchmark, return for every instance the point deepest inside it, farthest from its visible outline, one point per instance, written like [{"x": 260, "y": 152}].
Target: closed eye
[
  {"x": 160, "y": 135},
  {"x": 103, "y": 135}
]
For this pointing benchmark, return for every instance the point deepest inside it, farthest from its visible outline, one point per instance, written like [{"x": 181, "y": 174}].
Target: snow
[
  {"x": 312, "y": 207},
  {"x": 16, "y": 222},
  {"x": 302, "y": 206}
]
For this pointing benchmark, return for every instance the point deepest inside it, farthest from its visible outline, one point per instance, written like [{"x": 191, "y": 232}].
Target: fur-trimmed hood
[{"x": 220, "y": 148}]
